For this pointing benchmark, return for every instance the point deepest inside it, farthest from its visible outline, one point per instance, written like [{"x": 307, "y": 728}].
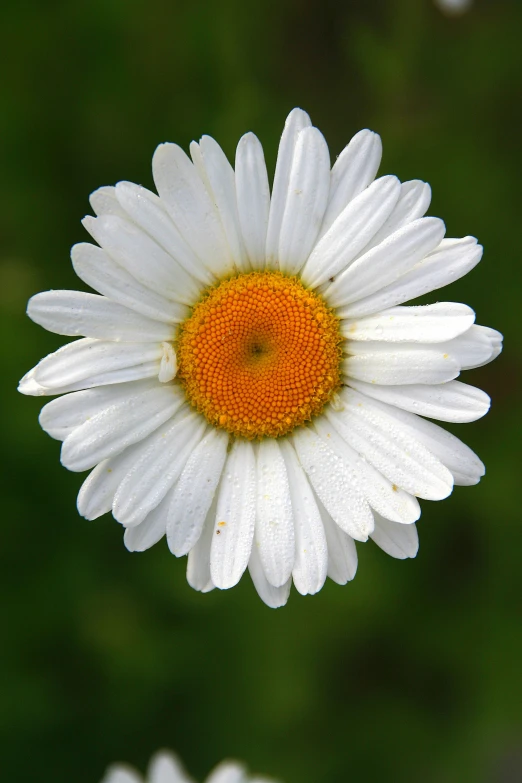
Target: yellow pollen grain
[{"x": 259, "y": 355}]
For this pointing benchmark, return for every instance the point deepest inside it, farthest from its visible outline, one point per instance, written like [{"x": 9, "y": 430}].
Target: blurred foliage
[{"x": 412, "y": 672}]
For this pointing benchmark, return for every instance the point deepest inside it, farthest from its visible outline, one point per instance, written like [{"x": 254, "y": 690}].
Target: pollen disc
[{"x": 259, "y": 355}]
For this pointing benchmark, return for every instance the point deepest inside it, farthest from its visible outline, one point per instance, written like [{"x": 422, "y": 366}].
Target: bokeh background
[{"x": 410, "y": 673}]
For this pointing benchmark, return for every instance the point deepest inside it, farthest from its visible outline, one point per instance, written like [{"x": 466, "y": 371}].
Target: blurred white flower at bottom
[
  {"x": 454, "y": 7},
  {"x": 164, "y": 767}
]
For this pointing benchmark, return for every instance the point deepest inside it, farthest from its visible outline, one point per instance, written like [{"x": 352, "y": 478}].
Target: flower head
[
  {"x": 164, "y": 767},
  {"x": 249, "y": 382}
]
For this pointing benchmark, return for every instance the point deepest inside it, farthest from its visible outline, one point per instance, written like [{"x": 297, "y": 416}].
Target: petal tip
[{"x": 29, "y": 386}]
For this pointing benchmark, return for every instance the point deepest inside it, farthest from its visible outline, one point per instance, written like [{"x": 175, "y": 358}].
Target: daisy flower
[
  {"x": 249, "y": 382},
  {"x": 454, "y": 7},
  {"x": 165, "y": 768}
]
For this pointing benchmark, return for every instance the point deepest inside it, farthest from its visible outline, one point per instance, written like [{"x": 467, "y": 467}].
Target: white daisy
[
  {"x": 454, "y": 7},
  {"x": 249, "y": 382},
  {"x": 164, "y": 767}
]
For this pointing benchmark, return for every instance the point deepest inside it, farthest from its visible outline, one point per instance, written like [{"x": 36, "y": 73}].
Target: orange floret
[{"x": 259, "y": 355}]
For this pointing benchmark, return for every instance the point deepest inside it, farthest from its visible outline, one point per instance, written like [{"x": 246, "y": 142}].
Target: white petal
[
  {"x": 28, "y": 384},
  {"x": 229, "y": 772},
  {"x": 191, "y": 208},
  {"x": 308, "y": 189},
  {"x": 121, "y": 774},
  {"x": 452, "y": 401},
  {"x": 311, "y": 554},
  {"x": 102, "y": 273},
  {"x": 104, "y": 202},
  {"x": 159, "y": 466},
  {"x": 147, "y": 211},
  {"x": 351, "y": 232},
  {"x": 400, "y": 541},
  {"x": 97, "y": 492},
  {"x": 476, "y": 347},
  {"x": 165, "y": 768},
  {"x": 342, "y": 553},
  {"x": 274, "y": 531},
  {"x": 274, "y": 597},
  {"x": 414, "y": 200},
  {"x": 253, "y": 197},
  {"x": 399, "y": 363},
  {"x": 450, "y": 261},
  {"x": 76, "y": 313},
  {"x": 143, "y": 536},
  {"x": 126, "y": 421},
  {"x": 221, "y": 178},
  {"x": 168, "y": 365},
  {"x": 354, "y": 169},
  {"x": 385, "y": 263},
  {"x": 381, "y": 494},
  {"x": 390, "y": 448},
  {"x": 194, "y": 492},
  {"x": 333, "y": 484},
  {"x": 143, "y": 258},
  {"x": 295, "y": 122},
  {"x": 235, "y": 519},
  {"x": 455, "y": 455},
  {"x": 63, "y": 415},
  {"x": 198, "y": 563},
  {"x": 86, "y": 363},
  {"x": 426, "y": 324}
]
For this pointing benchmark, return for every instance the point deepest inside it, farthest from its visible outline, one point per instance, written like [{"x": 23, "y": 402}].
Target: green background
[{"x": 411, "y": 672}]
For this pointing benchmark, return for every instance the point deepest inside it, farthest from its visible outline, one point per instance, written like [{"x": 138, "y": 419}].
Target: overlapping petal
[
  {"x": 191, "y": 208},
  {"x": 296, "y": 121},
  {"x": 102, "y": 273},
  {"x": 218, "y": 176},
  {"x": 351, "y": 231},
  {"x": 452, "y": 259},
  {"x": 86, "y": 363},
  {"x": 352, "y": 172}
]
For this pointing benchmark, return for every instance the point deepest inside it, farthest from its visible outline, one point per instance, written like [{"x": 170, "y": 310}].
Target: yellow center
[{"x": 259, "y": 355}]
